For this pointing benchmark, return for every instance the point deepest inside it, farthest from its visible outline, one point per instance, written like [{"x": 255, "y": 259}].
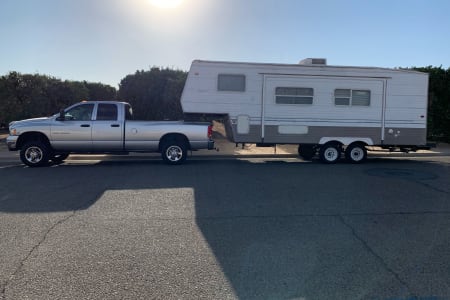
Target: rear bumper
[
  {"x": 211, "y": 145},
  {"x": 198, "y": 145},
  {"x": 11, "y": 142}
]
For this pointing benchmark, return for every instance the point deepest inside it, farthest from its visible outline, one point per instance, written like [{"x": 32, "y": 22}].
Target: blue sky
[{"x": 105, "y": 40}]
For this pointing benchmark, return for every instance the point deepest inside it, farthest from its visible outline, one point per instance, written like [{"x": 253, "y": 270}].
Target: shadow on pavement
[{"x": 260, "y": 218}]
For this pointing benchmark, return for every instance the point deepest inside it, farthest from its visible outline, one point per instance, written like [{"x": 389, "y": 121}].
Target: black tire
[
  {"x": 330, "y": 153},
  {"x": 306, "y": 151},
  {"x": 356, "y": 153},
  {"x": 174, "y": 152},
  {"x": 35, "y": 154},
  {"x": 58, "y": 158}
]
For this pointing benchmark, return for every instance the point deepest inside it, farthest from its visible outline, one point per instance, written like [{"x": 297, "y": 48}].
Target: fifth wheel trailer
[{"x": 326, "y": 110}]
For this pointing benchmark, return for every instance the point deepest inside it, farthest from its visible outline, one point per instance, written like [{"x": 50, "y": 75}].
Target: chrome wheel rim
[
  {"x": 34, "y": 155},
  {"x": 174, "y": 153}
]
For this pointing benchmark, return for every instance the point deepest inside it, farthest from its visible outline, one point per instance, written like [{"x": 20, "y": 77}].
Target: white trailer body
[{"x": 311, "y": 104}]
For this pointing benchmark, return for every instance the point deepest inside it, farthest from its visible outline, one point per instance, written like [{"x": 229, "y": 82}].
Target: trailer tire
[
  {"x": 174, "y": 152},
  {"x": 330, "y": 153},
  {"x": 356, "y": 153},
  {"x": 306, "y": 151},
  {"x": 35, "y": 154}
]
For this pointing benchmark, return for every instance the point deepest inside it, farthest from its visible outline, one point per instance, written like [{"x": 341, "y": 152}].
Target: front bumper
[{"x": 11, "y": 142}]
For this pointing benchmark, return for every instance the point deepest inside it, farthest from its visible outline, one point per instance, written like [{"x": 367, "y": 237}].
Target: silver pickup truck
[{"x": 103, "y": 127}]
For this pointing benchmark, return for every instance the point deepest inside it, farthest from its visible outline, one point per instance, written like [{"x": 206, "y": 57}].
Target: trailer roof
[{"x": 310, "y": 66}]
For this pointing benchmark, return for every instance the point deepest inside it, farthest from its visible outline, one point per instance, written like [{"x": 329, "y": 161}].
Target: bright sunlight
[{"x": 166, "y": 3}]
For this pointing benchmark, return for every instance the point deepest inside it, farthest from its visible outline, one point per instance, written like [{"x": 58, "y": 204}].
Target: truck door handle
[
  {"x": 85, "y": 125},
  {"x": 115, "y": 125}
]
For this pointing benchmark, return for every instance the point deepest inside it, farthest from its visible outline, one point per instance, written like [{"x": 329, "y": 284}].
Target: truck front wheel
[
  {"x": 174, "y": 152},
  {"x": 35, "y": 154}
]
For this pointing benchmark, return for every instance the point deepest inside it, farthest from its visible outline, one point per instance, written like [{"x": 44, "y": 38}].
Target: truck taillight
[{"x": 210, "y": 131}]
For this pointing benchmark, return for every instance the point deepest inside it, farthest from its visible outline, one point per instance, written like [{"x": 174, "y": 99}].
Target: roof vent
[{"x": 314, "y": 61}]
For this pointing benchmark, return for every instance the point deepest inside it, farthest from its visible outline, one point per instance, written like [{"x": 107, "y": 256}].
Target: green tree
[
  {"x": 24, "y": 95},
  {"x": 100, "y": 92},
  {"x": 154, "y": 94},
  {"x": 438, "y": 102}
]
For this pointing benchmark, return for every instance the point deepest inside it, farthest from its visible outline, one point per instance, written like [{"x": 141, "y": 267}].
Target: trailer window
[
  {"x": 360, "y": 98},
  {"x": 231, "y": 83},
  {"x": 351, "y": 97},
  {"x": 294, "y": 95}
]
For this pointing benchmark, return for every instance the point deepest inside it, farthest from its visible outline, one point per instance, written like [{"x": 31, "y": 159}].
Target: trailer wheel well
[
  {"x": 361, "y": 143},
  {"x": 338, "y": 144}
]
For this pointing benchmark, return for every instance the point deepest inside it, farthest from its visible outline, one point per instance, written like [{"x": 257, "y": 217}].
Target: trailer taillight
[{"x": 210, "y": 131}]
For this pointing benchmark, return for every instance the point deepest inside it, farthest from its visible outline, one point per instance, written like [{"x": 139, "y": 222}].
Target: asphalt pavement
[{"x": 226, "y": 226}]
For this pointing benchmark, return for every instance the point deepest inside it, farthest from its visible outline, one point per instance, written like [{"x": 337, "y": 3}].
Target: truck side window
[
  {"x": 128, "y": 112},
  {"x": 81, "y": 112},
  {"x": 107, "y": 112}
]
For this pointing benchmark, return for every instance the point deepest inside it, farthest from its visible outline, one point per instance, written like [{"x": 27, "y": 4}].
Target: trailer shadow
[{"x": 274, "y": 227}]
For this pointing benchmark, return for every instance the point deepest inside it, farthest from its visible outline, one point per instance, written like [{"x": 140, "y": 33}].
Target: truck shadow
[{"x": 260, "y": 219}]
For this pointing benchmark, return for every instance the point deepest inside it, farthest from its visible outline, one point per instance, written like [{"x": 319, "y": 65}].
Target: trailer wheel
[
  {"x": 356, "y": 153},
  {"x": 35, "y": 154},
  {"x": 306, "y": 151},
  {"x": 174, "y": 152},
  {"x": 330, "y": 153}
]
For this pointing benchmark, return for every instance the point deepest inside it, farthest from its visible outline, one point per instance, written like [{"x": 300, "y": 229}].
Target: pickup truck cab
[{"x": 104, "y": 127}]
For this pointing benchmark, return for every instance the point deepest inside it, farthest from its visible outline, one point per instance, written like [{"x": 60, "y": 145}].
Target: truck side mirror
[{"x": 62, "y": 115}]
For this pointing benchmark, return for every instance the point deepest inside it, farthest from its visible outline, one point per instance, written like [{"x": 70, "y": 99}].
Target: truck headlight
[{"x": 12, "y": 131}]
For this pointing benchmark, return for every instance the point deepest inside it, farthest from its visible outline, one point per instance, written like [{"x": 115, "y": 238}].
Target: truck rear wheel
[
  {"x": 35, "y": 154},
  {"x": 174, "y": 152}
]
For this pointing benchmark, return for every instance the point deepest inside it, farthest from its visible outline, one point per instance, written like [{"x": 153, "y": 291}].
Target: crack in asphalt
[
  {"x": 372, "y": 252},
  {"x": 429, "y": 186},
  {"x": 340, "y": 217},
  {"x": 30, "y": 253},
  {"x": 81, "y": 206}
]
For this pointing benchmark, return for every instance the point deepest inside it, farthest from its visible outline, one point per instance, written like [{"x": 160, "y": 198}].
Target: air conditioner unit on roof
[{"x": 314, "y": 61}]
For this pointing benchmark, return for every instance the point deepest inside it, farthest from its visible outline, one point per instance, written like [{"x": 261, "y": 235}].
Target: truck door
[
  {"x": 107, "y": 128},
  {"x": 74, "y": 132}
]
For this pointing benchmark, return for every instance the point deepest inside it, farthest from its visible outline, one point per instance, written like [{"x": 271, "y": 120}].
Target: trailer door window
[
  {"x": 351, "y": 97},
  {"x": 231, "y": 83},
  {"x": 294, "y": 95}
]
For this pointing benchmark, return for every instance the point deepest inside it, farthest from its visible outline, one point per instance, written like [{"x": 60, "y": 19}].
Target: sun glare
[{"x": 166, "y": 3}]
